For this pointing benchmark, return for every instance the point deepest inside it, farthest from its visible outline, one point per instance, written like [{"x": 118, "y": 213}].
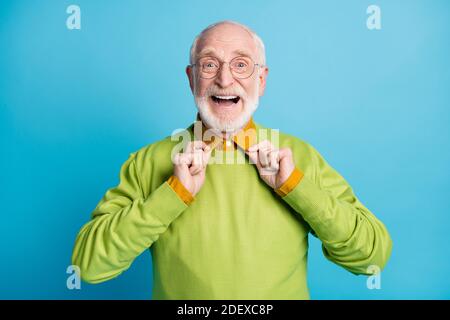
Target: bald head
[{"x": 228, "y": 32}]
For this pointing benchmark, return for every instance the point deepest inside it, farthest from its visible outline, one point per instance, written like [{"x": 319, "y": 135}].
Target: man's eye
[
  {"x": 240, "y": 64},
  {"x": 209, "y": 65}
]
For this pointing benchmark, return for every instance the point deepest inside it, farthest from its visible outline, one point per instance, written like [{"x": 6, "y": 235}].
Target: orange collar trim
[{"x": 244, "y": 138}]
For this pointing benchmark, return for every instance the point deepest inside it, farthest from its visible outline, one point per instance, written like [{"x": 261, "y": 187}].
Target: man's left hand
[{"x": 274, "y": 165}]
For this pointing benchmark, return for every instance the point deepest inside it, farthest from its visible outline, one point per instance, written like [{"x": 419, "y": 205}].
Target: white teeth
[{"x": 226, "y": 97}]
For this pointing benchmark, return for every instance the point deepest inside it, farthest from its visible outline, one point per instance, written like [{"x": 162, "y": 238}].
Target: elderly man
[{"x": 226, "y": 215}]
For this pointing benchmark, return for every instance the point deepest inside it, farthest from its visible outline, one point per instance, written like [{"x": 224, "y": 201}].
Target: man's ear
[
  {"x": 190, "y": 76},
  {"x": 262, "y": 80}
]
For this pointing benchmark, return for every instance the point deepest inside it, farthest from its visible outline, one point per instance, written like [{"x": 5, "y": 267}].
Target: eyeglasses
[{"x": 240, "y": 67}]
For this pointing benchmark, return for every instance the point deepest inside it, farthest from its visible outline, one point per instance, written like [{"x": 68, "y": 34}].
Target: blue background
[{"x": 75, "y": 103}]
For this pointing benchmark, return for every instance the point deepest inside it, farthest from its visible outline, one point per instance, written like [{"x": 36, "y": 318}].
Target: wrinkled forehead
[{"x": 226, "y": 42}]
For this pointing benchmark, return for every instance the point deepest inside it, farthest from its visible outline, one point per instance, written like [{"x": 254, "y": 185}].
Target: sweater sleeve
[
  {"x": 351, "y": 235},
  {"x": 123, "y": 225}
]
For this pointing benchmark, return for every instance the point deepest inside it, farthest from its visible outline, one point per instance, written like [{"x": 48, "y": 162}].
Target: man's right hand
[{"x": 190, "y": 166}]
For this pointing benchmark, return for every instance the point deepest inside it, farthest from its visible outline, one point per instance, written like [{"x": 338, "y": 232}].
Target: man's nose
[{"x": 224, "y": 77}]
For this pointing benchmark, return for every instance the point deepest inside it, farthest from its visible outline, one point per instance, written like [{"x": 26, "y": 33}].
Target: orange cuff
[
  {"x": 180, "y": 189},
  {"x": 291, "y": 182}
]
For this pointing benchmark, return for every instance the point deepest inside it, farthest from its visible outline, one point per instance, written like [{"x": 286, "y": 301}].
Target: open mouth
[{"x": 225, "y": 100}]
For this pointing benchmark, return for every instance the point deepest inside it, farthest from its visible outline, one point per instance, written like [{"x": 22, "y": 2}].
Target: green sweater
[{"x": 238, "y": 239}]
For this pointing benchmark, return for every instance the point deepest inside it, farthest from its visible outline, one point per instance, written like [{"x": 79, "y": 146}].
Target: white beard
[{"x": 222, "y": 124}]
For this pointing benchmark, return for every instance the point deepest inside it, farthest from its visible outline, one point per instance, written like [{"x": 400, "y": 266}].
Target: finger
[
  {"x": 264, "y": 157},
  {"x": 183, "y": 159},
  {"x": 253, "y": 157},
  {"x": 194, "y": 170},
  {"x": 176, "y": 159},
  {"x": 263, "y": 148},
  {"x": 195, "y": 151},
  {"x": 265, "y": 144},
  {"x": 196, "y": 165},
  {"x": 274, "y": 158},
  {"x": 206, "y": 147},
  {"x": 202, "y": 156},
  {"x": 284, "y": 152},
  {"x": 206, "y": 156},
  {"x": 253, "y": 148},
  {"x": 189, "y": 147},
  {"x": 196, "y": 145},
  {"x": 271, "y": 167}
]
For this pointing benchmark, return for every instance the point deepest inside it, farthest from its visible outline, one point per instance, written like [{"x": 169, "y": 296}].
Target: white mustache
[{"x": 214, "y": 90}]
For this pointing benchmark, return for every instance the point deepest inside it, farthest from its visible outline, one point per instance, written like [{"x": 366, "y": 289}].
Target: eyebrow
[
  {"x": 241, "y": 52},
  {"x": 206, "y": 52},
  {"x": 211, "y": 52}
]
